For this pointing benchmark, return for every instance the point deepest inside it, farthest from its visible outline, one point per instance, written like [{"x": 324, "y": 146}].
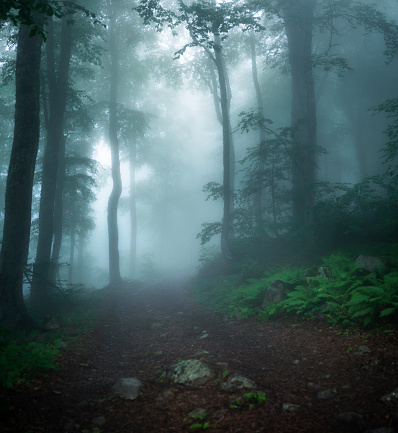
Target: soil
[{"x": 141, "y": 330}]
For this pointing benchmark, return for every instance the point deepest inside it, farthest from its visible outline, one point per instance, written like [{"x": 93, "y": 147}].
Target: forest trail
[{"x": 144, "y": 330}]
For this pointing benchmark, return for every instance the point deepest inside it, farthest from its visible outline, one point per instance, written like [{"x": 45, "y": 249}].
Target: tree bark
[
  {"x": 58, "y": 206},
  {"x": 258, "y": 209},
  {"x": 227, "y": 223},
  {"x": 114, "y": 261},
  {"x": 18, "y": 199},
  {"x": 43, "y": 271},
  {"x": 298, "y": 18},
  {"x": 133, "y": 210},
  {"x": 72, "y": 249}
]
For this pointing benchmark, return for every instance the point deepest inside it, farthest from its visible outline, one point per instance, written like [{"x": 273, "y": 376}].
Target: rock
[
  {"x": 275, "y": 292},
  {"x": 349, "y": 416},
  {"x": 163, "y": 396},
  {"x": 362, "y": 350},
  {"x": 236, "y": 383},
  {"x": 191, "y": 372},
  {"x": 392, "y": 396},
  {"x": 202, "y": 353},
  {"x": 368, "y": 264},
  {"x": 60, "y": 344},
  {"x": 327, "y": 394},
  {"x": 196, "y": 413},
  {"x": 290, "y": 407},
  {"x": 321, "y": 272},
  {"x": 324, "y": 272},
  {"x": 127, "y": 388},
  {"x": 98, "y": 420}
]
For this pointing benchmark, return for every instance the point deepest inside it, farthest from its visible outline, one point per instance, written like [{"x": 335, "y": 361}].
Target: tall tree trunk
[
  {"x": 72, "y": 245},
  {"x": 258, "y": 210},
  {"x": 18, "y": 196},
  {"x": 133, "y": 210},
  {"x": 43, "y": 270},
  {"x": 227, "y": 223},
  {"x": 58, "y": 206},
  {"x": 80, "y": 259},
  {"x": 114, "y": 265},
  {"x": 298, "y": 18}
]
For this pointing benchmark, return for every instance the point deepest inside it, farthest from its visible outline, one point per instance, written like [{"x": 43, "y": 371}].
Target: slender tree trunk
[
  {"x": 114, "y": 265},
  {"x": 298, "y": 18},
  {"x": 72, "y": 251},
  {"x": 58, "y": 206},
  {"x": 133, "y": 211},
  {"x": 80, "y": 259},
  {"x": 18, "y": 196},
  {"x": 227, "y": 223},
  {"x": 258, "y": 210},
  {"x": 43, "y": 271}
]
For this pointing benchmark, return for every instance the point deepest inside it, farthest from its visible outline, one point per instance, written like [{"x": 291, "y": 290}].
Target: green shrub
[{"x": 20, "y": 362}]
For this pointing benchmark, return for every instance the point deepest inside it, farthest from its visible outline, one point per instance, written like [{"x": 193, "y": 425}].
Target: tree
[
  {"x": 114, "y": 260},
  {"x": 301, "y": 19},
  {"x": 298, "y": 18},
  {"x": 44, "y": 270},
  {"x": 208, "y": 25},
  {"x": 18, "y": 203}
]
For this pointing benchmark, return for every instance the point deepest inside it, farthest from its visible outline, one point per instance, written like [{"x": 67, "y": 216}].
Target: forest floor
[{"x": 143, "y": 330}]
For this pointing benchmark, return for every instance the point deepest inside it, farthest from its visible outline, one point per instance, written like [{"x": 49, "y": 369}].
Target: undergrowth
[
  {"x": 24, "y": 357},
  {"x": 19, "y": 361},
  {"x": 346, "y": 296}
]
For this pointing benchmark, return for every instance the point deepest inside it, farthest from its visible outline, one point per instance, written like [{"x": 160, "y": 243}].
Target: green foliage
[
  {"x": 249, "y": 400},
  {"x": 345, "y": 296},
  {"x": 19, "y": 362},
  {"x": 233, "y": 298},
  {"x": 369, "y": 303},
  {"x": 200, "y": 421}
]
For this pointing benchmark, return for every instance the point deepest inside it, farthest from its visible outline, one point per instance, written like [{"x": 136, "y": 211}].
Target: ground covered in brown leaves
[{"x": 145, "y": 329}]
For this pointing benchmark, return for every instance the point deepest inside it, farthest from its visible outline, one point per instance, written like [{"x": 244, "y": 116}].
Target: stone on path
[
  {"x": 237, "y": 382},
  {"x": 362, "y": 350},
  {"x": 327, "y": 394},
  {"x": 392, "y": 396},
  {"x": 290, "y": 407},
  {"x": 127, "y": 388},
  {"x": 191, "y": 372}
]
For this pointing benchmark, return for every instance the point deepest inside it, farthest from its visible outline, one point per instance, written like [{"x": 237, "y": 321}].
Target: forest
[
  {"x": 151, "y": 139},
  {"x": 209, "y": 175}
]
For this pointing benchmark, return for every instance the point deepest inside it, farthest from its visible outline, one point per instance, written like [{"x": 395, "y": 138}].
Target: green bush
[
  {"x": 19, "y": 362},
  {"x": 347, "y": 297}
]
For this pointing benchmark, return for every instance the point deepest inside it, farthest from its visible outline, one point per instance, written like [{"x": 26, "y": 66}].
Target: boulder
[
  {"x": 191, "y": 372},
  {"x": 236, "y": 383},
  {"x": 368, "y": 264},
  {"x": 127, "y": 388},
  {"x": 317, "y": 272},
  {"x": 275, "y": 292}
]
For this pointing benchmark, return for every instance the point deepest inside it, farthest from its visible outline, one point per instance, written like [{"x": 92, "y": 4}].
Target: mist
[{"x": 166, "y": 137}]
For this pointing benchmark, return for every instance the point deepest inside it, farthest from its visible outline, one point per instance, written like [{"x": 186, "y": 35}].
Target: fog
[
  {"x": 172, "y": 247},
  {"x": 269, "y": 120}
]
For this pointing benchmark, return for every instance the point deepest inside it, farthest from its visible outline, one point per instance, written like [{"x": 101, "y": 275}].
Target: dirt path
[{"x": 143, "y": 331}]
